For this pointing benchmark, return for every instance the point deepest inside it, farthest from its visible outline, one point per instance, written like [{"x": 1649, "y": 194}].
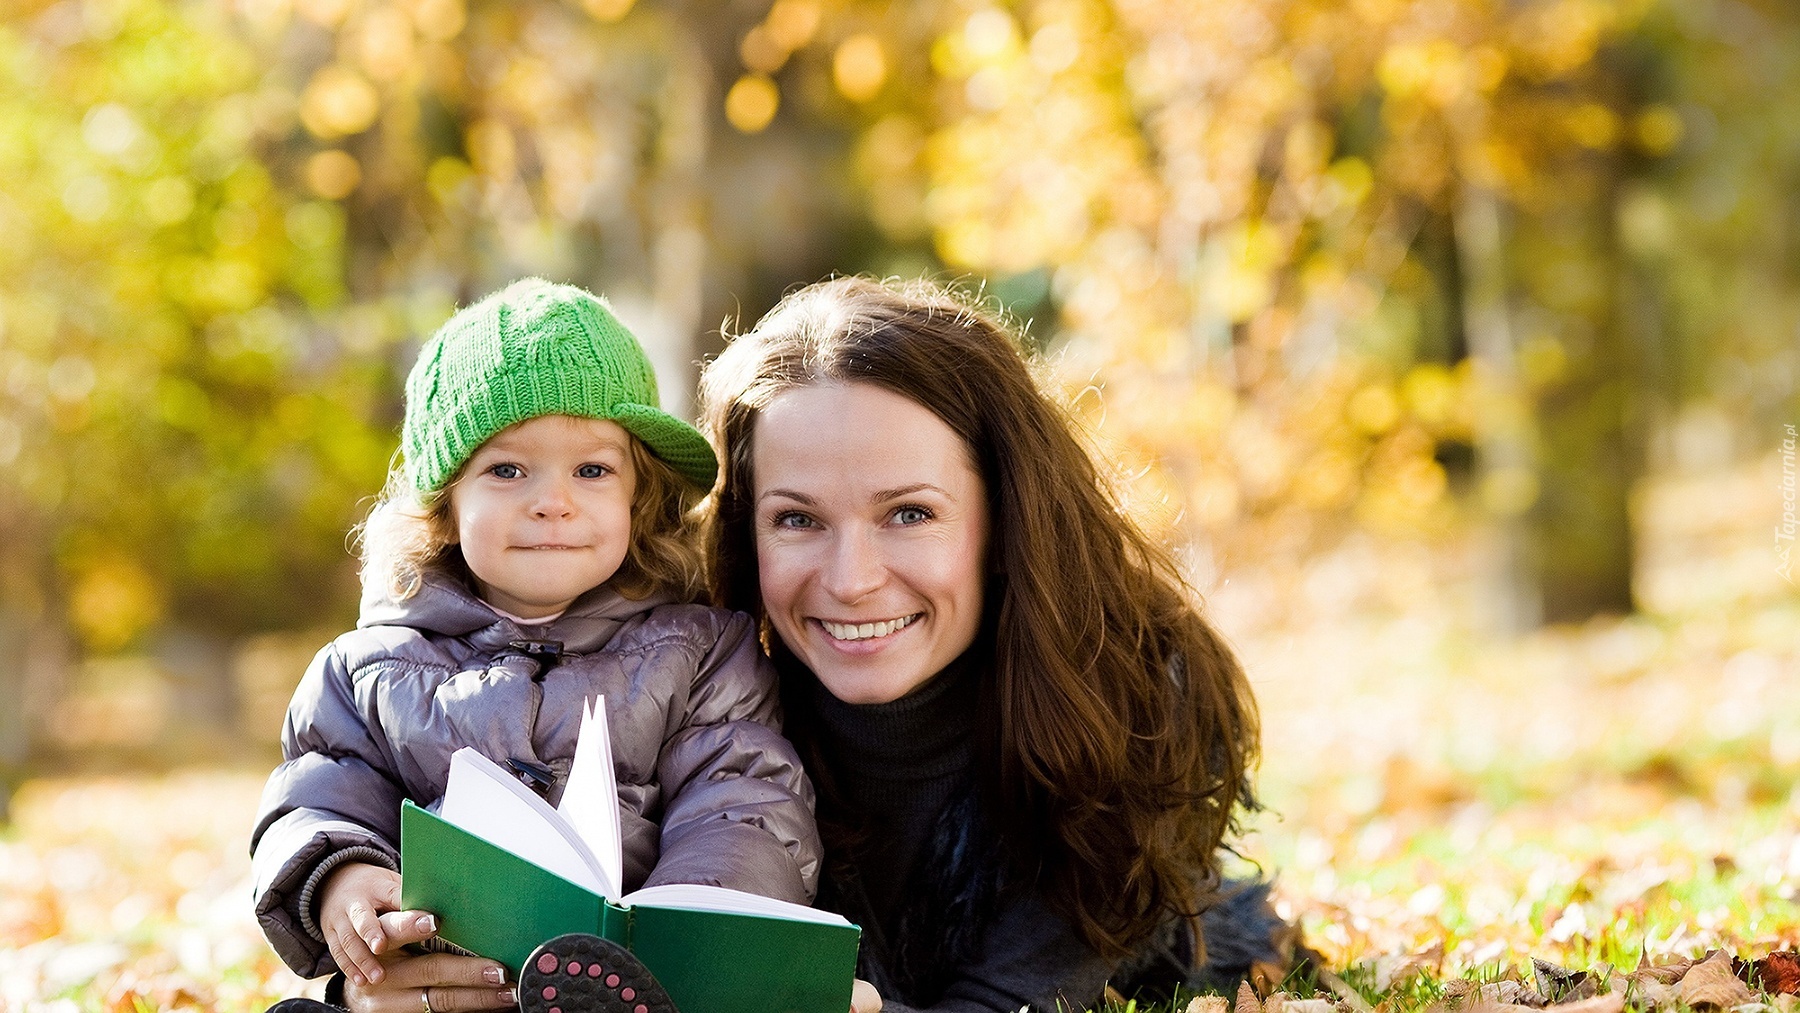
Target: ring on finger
[{"x": 425, "y": 997}]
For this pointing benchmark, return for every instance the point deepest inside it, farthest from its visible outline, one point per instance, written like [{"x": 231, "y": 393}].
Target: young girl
[{"x": 531, "y": 553}]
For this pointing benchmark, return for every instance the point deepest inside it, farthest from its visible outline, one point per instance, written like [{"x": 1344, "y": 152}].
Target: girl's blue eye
[
  {"x": 911, "y": 515},
  {"x": 506, "y": 471},
  {"x": 792, "y": 520},
  {"x": 591, "y": 471}
]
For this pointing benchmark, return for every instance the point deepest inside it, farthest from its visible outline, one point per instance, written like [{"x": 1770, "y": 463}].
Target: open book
[{"x": 504, "y": 871}]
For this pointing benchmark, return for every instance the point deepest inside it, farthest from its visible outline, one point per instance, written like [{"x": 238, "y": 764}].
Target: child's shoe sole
[{"x": 580, "y": 973}]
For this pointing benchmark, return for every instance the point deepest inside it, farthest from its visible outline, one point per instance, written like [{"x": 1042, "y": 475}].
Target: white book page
[
  {"x": 590, "y": 801},
  {"x": 695, "y": 897},
  {"x": 490, "y": 803}
]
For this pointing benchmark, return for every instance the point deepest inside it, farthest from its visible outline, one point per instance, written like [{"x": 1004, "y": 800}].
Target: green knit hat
[{"x": 535, "y": 348}]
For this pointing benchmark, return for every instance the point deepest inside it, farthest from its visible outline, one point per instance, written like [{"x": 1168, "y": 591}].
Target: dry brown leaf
[
  {"x": 1457, "y": 993},
  {"x": 1779, "y": 972},
  {"x": 1787, "y": 1003},
  {"x": 1511, "y": 993},
  {"x": 1266, "y": 974},
  {"x": 1649, "y": 993},
  {"x": 1397, "y": 969},
  {"x": 1612, "y": 1002},
  {"x": 1711, "y": 983},
  {"x": 1207, "y": 1004},
  {"x": 1350, "y": 997},
  {"x": 1309, "y": 1006},
  {"x": 1483, "y": 1006},
  {"x": 1276, "y": 1002},
  {"x": 1668, "y": 973},
  {"x": 1247, "y": 1002},
  {"x": 1561, "y": 985}
]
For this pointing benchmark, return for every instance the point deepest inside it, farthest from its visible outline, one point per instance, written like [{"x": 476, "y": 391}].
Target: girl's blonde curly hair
[{"x": 409, "y": 534}]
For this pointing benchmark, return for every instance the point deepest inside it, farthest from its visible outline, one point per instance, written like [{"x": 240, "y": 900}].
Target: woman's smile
[{"x": 861, "y": 631}]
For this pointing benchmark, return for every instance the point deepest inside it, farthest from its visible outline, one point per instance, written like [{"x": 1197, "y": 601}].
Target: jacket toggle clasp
[
  {"x": 545, "y": 652},
  {"x": 535, "y": 776}
]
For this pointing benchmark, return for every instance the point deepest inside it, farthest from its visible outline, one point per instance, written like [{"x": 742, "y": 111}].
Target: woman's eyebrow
[
  {"x": 905, "y": 490},
  {"x": 880, "y": 496}
]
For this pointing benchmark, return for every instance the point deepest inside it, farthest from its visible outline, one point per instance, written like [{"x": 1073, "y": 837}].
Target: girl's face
[
  {"x": 543, "y": 512},
  {"x": 871, "y": 537}
]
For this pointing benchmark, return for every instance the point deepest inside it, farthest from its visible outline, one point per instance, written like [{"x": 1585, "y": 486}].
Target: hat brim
[{"x": 679, "y": 445}]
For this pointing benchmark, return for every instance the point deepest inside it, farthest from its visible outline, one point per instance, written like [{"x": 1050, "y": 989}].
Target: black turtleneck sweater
[
  {"x": 895, "y": 765},
  {"x": 902, "y": 774}
]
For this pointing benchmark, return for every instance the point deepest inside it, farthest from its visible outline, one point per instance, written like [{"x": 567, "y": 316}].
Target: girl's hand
[
  {"x": 356, "y": 898},
  {"x": 439, "y": 982},
  {"x": 863, "y": 998}
]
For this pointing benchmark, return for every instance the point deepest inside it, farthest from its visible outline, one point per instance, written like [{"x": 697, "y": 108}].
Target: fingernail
[
  {"x": 375, "y": 976},
  {"x": 494, "y": 975},
  {"x": 428, "y": 923},
  {"x": 374, "y": 941},
  {"x": 509, "y": 996}
]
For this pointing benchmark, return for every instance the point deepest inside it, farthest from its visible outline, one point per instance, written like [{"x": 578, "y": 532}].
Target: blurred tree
[
  {"x": 1342, "y": 261},
  {"x": 236, "y": 222},
  {"x": 182, "y": 439}
]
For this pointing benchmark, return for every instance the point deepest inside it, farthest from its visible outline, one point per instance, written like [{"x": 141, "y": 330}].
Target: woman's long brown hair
[{"x": 1126, "y": 727}]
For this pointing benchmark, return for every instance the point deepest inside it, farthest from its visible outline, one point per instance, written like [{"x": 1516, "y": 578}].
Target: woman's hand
[
  {"x": 439, "y": 982},
  {"x": 863, "y": 998}
]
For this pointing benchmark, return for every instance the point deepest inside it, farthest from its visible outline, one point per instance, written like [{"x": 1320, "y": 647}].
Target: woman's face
[{"x": 871, "y": 537}]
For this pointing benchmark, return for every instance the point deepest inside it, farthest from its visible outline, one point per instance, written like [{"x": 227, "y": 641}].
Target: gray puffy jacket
[{"x": 709, "y": 791}]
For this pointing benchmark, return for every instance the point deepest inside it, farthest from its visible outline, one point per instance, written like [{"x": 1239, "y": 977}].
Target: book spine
[{"x": 616, "y": 923}]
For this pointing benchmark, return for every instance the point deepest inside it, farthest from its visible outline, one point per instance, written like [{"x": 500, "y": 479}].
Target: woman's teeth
[{"x": 866, "y": 631}]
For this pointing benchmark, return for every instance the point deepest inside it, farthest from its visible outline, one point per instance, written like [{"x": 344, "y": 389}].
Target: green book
[{"x": 503, "y": 872}]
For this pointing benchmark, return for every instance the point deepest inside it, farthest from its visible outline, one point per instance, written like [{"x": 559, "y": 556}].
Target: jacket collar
[{"x": 445, "y": 606}]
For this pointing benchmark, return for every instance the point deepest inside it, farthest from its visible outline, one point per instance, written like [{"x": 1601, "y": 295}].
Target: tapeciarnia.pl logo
[{"x": 1784, "y": 532}]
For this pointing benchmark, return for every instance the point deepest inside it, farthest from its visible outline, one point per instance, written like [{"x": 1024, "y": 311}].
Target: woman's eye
[
  {"x": 506, "y": 471},
  {"x": 793, "y": 521},
  {"x": 592, "y": 471},
  {"x": 911, "y": 515}
]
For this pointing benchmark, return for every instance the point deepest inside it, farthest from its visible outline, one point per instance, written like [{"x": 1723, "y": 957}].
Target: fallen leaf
[
  {"x": 1309, "y": 1006},
  {"x": 1350, "y": 997},
  {"x": 1267, "y": 974},
  {"x": 1561, "y": 985},
  {"x": 1397, "y": 969},
  {"x": 1511, "y": 993},
  {"x": 1275, "y": 1002},
  {"x": 1668, "y": 973},
  {"x": 1779, "y": 973},
  {"x": 1787, "y": 1004},
  {"x": 1612, "y": 1002},
  {"x": 1247, "y": 1002},
  {"x": 1711, "y": 983},
  {"x": 1208, "y": 1004},
  {"x": 1650, "y": 993},
  {"x": 1457, "y": 993}
]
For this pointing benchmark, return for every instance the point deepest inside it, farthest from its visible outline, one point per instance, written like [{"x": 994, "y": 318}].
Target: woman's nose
[{"x": 855, "y": 568}]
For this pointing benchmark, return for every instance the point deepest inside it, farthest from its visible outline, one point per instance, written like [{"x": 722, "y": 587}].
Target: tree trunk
[
  {"x": 1506, "y": 468},
  {"x": 204, "y": 701}
]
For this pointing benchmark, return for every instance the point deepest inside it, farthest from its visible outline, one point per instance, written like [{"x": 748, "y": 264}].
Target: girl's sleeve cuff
[{"x": 357, "y": 853}]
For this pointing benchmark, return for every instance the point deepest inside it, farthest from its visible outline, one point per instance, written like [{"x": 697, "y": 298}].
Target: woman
[{"x": 1028, "y": 743}]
